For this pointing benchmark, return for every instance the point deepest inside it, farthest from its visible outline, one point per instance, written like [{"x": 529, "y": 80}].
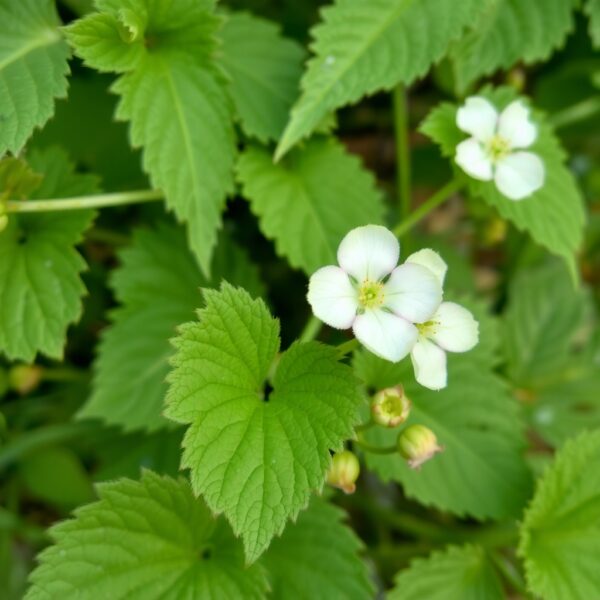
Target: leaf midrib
[{"x": 50, "y": 38}]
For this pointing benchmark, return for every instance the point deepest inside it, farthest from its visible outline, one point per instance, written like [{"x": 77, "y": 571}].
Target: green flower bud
[
  {"x": 417, "y": 444},
  {"x": 390, "y": 407},
  {"x": 24, "y": 378},
  {"x": 344, "y": 471}
]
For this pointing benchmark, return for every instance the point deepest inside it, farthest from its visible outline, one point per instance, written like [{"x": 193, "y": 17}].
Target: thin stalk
[
  {"x": 401, "y": 130},
  {"x": 311, "y": 329},
  {"x": 424, "y": 209},
  {"x": 364, "y": 426},
  {"x": 82, "y": 202},
  {"x": 510, "y": 573},
  {"x": 347, "y": 347},
  {"x": 376, "y": 449},
  {"x": 577, "y": 112}
]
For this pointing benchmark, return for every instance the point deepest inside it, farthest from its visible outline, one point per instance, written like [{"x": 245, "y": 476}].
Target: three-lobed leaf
[
  {"x": 256, "y": 455},
  {"x": 33, "y": 69},
  {"x": 560, "y": 534},
  {"x": 309, "y": 201}
]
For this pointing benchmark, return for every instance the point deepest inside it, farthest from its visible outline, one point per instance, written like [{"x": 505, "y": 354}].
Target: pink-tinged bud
[
  {"x": 417, "y": 444},
  {"x": 390, "y": 407},
  {"x": 24, "y": 378},
  {"x": 344, "y": 471}
]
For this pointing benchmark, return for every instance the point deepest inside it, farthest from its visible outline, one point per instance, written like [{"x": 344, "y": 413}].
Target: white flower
[
  {"x": 495, "y": 150},
  {"x": 451, "y": 328},
  {"x": 368, "y": 292}
]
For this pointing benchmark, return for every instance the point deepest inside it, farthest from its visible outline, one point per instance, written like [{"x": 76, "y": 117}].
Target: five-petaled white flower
[
  {"x": 393, "y": 310},
  {"x": 496, "y": 149}
]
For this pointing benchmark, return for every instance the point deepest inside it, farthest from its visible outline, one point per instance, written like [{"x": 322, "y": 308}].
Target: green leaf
[
  {"x": 157, "y": 286},
  {"x": 560, "y": 535},
  {"x": 317, "y": 558},
  {"x": 254, "y": 455},
  {"x": 554, "y": 215},
  {"x": 361, "y": 48},
  {"x": 40, "y": 287},
  {"x": 592, "y": 9},
  {"x": 33, "y": 69},
  {"x": 458, "y": 573},
  {"x": 173, "y": 95},
  {"x": 511, "y": 31},
  {"x": 308, "y": 202},
  {"x": 149, "y": 539},
  {"x": 265, "y": 70},
  {"x": 481, "y": 472}
]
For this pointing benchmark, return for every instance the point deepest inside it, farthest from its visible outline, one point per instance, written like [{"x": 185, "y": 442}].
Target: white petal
[
  {"x": 519, "y": 175},
  {"x": 432, "y": 260},
  {"x": 332, "y": 297},
  {"x": 478, "y": 117},
  {"x": 456, "y": 330},
  {"x": 369, "y": 252},
  {"x": 385, "y": 334},
  {"x": 413, "y": 292},
  {"x": 429, "y": 363},
  {"x": 514, "y": 125},
  {"x": 472, "y": 159}
]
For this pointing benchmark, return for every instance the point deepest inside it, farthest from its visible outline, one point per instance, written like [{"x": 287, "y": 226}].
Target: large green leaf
[
  {"x": 265, "y": 70},
  {"x": 554, "y": 215},
  {"x": 145, "y": 540},
  {"x": 363, "y": 47},
  {"x": 254, "y": 455},
  {"x": 309, "y": 201},
  {"x": 33, "y": 69},
  {"x": 458, "y": 573},
  {"x": 317, "y": 558},
  {"x": 560, "y": 535},
  {"x": 174, "y": 98},
  {"x": 40, "y": 287},
  {"x": 509, "y": 31},
  {"x": 481, "y": 471},
  {"x": 158, "y": 286}
]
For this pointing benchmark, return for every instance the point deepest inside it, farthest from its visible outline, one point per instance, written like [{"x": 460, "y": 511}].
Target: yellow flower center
[
  {"x": 497, "y": 148},
  {"x": 370, "y": 294},
  {"x": 427, "y": 329}
]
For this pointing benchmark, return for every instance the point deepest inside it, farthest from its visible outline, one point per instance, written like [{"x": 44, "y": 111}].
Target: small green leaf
[
  {"x": 481, "y": 471},
  {"x": 245, "y": 445},
  {"x": 363, "y": 47},
  {"x": 560, "y": 535},
  {"x": 317, "y": 558},
  {"x": 33, "y": 69},
  {"x": 458, "y": 573},
  {"x": 265, "y": 70},
  {"x": 509, "y": 31},
  {"x": 158, "y": 286},
  {"x": 554, "y": 215},
  {"x": 146, "y": 540},
  {"x": 308, "y": 202},
  {"x": 40, "y": 287}
]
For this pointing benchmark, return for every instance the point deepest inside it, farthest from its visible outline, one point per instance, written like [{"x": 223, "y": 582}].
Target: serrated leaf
[
  {"x": 554, "y": 215},
  {"x": 33, "y": 69},
  {"x": 361, "y": 48},
  {"x": 560, "y": 535},
  {"x": 149, "y": 539},
  {"x": 317, "y": 558},
  {"x": 17, "y": 178},
  {"x": 509, "y": 31},
  {"x": 458, "y": 573},
  {"x": 481, "y": 472},
  {"x": 265, "y": 70},
  {"x": 40, "y": 287},
  {"x": 308, "y": 202},
  {"x": 176, "y": 102},
  {"x": 158, "y": 287},
  {"x": 253, "y": 457},
  {"x": 592, "y": 9}
]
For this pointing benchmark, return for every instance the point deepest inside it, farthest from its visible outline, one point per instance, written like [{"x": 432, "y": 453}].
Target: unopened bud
[
  {"x": 390, "y": 407},
  {"x": 24, "y": 378},
  {"x": 344, "y": 471},
  {"x": 417, "y": 444}
]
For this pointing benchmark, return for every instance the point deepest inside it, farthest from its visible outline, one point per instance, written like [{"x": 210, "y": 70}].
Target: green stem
[
  {"x": 82, "y": 202},
  {"x": 510, "y": 573},
  {"x": 364, "y": 426},
  {"x": 347, "y": 347},
  {"x": 577, "y": 112},
  {"x": 424, "y": 209},
  {"x": 376, "y": 449},
  {"x": 401, "y": 130},
  {"x": 64, "y": 374},
  {"x": 311, "y": 329}
]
